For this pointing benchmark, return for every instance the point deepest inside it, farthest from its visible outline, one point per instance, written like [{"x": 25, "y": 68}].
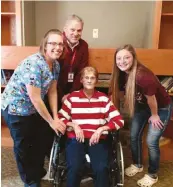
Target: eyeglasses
[
  {"x": 90, "y": 78},
  {"x": 55, "y": 44}
]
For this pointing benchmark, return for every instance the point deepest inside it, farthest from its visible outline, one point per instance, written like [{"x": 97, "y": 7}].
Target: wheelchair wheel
[
  {"x": 54, "y": 171},
  {"x": 117, "y": 167},
  {"x": 57, "y": 182},
  {"x": 60, "y": 175},
  {"x": 120, "y": 163}
]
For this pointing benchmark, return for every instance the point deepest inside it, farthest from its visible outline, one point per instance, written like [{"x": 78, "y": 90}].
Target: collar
[
  {"x": 82, "y": 94},
  {"x": 72, "y": 47},
  {"x": 68, "y": 43}
]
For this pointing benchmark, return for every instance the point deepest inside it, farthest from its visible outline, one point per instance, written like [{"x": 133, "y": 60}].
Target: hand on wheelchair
[{"x": 57, "y": 125}]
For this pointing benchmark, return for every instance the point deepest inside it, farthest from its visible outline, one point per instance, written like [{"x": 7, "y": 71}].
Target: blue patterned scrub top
[{"x": 33, "y": 71}]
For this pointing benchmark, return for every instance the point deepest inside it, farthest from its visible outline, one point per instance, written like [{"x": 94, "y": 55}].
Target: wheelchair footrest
[{"x": 86, "y": 180}]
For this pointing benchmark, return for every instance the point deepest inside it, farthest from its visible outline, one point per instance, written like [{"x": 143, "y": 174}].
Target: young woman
[
  {"x": 25, "y": 112},
  {"x": 147, "y": 101},
  {"x": 88, "y": 113}
]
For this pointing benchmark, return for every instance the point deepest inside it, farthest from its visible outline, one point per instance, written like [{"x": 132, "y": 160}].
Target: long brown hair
[{"x": 131, "y": 82}]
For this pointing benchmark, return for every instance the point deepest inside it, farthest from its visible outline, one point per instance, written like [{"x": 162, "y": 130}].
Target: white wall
[{"x": 118, "y": 22}]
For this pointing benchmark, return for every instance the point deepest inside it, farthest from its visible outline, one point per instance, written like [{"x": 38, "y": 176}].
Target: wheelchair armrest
[
  {"x": 115, "y": 134},
  {"x": 115, "y": 131}
]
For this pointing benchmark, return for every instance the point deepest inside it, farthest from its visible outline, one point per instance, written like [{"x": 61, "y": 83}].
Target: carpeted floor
[{"x": 10, "y": 177}]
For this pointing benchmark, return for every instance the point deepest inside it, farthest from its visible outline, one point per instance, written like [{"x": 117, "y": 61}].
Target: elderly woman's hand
[
  {"x": 78, "y": 131},
  {"x": 96, "y": 136}
]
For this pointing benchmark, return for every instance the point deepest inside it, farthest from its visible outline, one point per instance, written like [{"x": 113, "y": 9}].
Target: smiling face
[
  {"x": 73, "y": 31},
  {"x": 124, "y": 60},
  {"x": 54, "y": 46}
]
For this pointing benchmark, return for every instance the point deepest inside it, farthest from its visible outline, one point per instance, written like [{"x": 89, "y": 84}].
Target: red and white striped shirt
[{"x": 90, "y": 114}]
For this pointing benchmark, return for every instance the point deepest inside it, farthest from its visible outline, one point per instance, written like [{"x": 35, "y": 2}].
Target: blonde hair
[
  {"x": 43, "y": 43},
  {"x": 89, "y": 69},
  {"x": 74, "y": 17},
  {"x": 131, "y": 82}
]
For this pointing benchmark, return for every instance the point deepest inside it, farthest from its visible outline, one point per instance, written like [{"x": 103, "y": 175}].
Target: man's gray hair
[{"x": 74, "y": 17}]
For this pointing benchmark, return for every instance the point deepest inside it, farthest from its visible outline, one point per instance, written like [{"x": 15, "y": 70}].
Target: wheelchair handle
[{"x": 58, "y": 137}]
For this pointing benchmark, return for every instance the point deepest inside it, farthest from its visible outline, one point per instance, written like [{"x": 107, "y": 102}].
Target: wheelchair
[{"x": 57, "y": 168}]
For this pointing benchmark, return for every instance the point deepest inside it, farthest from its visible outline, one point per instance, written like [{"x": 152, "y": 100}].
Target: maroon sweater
[
  {"x": 80, "y": 61},
  {"x": 146, "y": 84}
]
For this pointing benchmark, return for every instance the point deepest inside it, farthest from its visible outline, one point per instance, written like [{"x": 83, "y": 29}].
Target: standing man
[{"x": 76, "y": 58}]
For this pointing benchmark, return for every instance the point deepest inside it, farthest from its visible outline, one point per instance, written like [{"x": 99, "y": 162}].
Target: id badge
[{"x": 70, "y": 77}]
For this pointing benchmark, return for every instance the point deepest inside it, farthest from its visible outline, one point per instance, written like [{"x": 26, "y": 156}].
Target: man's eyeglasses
[{"x": 55, "y": 44}]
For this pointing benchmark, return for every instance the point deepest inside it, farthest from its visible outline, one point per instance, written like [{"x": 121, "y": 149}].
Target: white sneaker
[
  {"x": 147, "y": 181},
  {"x": 46, "y": 177},
  {"x": 132, "y": 170}
]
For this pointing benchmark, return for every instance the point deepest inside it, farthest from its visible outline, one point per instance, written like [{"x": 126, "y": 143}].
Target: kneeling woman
[
  {"x": 147, "y": 101},
  {"x": 89, "y": 113}
]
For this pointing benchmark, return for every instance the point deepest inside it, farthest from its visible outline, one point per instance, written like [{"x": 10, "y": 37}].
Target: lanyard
[{"x": 72, "y": 60}]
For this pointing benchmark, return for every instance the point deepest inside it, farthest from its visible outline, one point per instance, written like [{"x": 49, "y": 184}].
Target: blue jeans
[
  {"x": 75, "y": 153},
  {"x": 139, "y": 122},
  {"x": 29, "y": 137}
]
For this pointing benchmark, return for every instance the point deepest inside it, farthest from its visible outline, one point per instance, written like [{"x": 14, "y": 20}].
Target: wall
[
  {"x": 118, "y": 22},
  {"x": 29, "y": 23}
]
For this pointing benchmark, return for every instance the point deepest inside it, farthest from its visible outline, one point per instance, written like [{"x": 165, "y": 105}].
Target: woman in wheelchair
[{"x": 89, "y": 113}]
